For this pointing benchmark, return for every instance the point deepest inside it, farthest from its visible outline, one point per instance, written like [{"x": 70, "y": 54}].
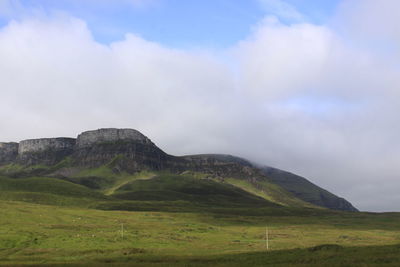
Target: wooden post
[
  {"x": 122, "y": 230},
  {"x": 266, "y": 238}
]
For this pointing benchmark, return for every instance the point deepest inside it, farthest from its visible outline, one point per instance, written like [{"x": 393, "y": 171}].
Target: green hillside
[
  {"x": 174, "y": 187},
  {"x": 271, "y": 192},
  {"x": 303, "y": 189},
  {"x": 106, "y": 187},
  {"x": 100, "y": 188},
  {"x": 47, "y": 191}
]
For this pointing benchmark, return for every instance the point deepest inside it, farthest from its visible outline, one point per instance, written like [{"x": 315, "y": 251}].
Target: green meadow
[{"x": 179, "y": 220}]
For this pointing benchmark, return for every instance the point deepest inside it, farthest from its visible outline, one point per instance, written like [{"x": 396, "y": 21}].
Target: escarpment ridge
[
  {"x": 90, "y": 148},
  {"x": 13, "y": 150},
  {"x": 43, "y": 144},
  {"x": 89, "y": 138},
  {"x": 46, "y": 151},
  {"x": 129, "y": 151},
  {"x": 136, "y": 152}
]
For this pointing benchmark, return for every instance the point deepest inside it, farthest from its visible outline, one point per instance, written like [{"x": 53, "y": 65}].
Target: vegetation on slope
[
  {"x": 175, "y": 187},
  {"x": 47, "y": 191},
  {"x": 276, "y": 185},
  {"x": 271, "y": 192},
  {"x": 305, "y": 190},
  {"x": 109, "y": 188}
]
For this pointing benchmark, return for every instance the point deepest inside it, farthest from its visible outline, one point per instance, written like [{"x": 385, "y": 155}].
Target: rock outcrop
[
  {"x": 8, "y": 153},
  {"x": 45, "y": 151},
  {"x": 43, "y": 144},
  {"x": 218, "y": 165},
  {"x": 133, "y": 150},
  {"x": 110, "y": 135}
]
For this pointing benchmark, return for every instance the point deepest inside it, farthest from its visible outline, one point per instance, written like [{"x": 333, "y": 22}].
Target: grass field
[
  {"x": 160, "y": 219},
  {"x": 41, "y": 234}
]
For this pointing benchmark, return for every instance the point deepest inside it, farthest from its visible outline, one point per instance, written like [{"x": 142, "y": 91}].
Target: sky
[{"x": 308, "y": 86}]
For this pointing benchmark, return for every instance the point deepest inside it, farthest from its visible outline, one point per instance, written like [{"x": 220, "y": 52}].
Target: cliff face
[
  {"x": 220, "y": 166},
  {"x": 8, "y": 153},
  {"x": 136, "y": 152},
  {"x": 43, "y": 144},
  {"x": 110, "y": 135},
  {"x": 45, "y": 151}
]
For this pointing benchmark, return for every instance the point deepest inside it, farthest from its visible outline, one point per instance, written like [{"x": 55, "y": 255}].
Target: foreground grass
[
  {"x": 40, "y": 234},
  {"x": 326, "y": 255}
]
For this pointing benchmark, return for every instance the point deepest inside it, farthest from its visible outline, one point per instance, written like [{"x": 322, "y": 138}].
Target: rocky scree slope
[{"x": 133, "y": 152}]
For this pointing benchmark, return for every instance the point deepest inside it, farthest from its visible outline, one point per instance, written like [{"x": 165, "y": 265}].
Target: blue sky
[{"x": 176, "y": 23}]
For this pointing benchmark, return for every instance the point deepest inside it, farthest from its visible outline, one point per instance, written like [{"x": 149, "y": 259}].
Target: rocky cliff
[
  {"x": 223, "y": 166},
  {"x": 44, "y": 151},
  {"x": 8, "y": 153},
  {"x": 110, "y": 135},
  {"x": 132, "y": 150},
  {"x": 135, "y": 152}
]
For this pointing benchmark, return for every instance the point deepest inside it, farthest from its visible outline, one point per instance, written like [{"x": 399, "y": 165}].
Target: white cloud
[
  {"x": 303, "y": 98},
  {"x": 275, "y": 50},
  {"x": 371, "y": 23}
]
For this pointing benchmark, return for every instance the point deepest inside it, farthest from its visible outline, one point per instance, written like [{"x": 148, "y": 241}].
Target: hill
[{"x": 103, "y": 159}]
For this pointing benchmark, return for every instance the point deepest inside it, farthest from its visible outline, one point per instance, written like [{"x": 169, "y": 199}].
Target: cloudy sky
[{"x": 304, "y": 85}]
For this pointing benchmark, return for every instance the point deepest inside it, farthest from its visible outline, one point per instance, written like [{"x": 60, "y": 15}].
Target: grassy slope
[
  {"x": 164, "y": 186},
  {"x": 301, "y": 187},
  {"x": 33, "y": 233},
  {"x": 271, "y": 192},
  {"x": 174, "y": 187},
  {"x": 47, "y": 190},
  {"x": 164, "y": 192},
  {"x": 264, "y": 189},
  {"x": 17, "y": 170},
  {"x": 185, "y": 193},
  {"x": 107, "y": 179}
]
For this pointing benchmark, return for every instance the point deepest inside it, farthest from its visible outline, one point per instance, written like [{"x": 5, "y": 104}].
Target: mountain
[{"x": 122, "y": 166}]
